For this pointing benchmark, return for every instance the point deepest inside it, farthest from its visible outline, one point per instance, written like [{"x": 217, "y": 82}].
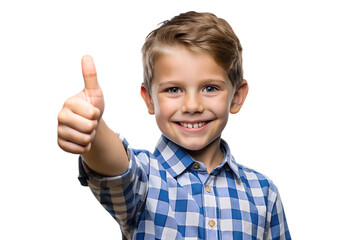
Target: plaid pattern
[{"x": 168, "y": 195}]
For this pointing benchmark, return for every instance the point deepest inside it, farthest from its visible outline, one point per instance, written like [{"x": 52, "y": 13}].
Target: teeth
[{"x": 195, "y": 125}]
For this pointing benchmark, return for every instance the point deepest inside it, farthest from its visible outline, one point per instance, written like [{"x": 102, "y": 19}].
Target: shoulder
[
  {"x": 135, "y": 153},
  {"x": 138, "y": 158},
  {"x": 253, "y": 180}
]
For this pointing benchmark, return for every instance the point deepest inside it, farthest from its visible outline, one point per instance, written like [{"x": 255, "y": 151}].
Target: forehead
[{"x": 179, "y": 63}]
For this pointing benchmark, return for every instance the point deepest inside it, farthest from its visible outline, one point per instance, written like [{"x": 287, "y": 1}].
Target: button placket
[
  {"x": 210, "y": 210},
  {"x": 208, "y": 184}
]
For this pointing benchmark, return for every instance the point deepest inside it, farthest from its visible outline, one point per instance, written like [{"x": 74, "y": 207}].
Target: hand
[{"x": 80, "y": 115}]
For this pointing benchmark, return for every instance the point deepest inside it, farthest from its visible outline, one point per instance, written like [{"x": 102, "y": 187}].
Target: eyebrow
[
  {"x": 204, "y": 81},
  {"x": 215, "y": 81}
]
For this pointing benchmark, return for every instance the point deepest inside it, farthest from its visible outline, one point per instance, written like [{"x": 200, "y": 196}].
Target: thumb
[{"x": 89, "y": 72}]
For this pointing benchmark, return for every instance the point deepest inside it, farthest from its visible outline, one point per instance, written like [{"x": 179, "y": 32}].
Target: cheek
[
  {"x": 164, "y": 109},
  {"x": 221, "y": 106}
]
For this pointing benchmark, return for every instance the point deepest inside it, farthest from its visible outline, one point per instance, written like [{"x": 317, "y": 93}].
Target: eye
[
  {"x": 210, "y": 89},
  {"x": 173, "y": 90}
]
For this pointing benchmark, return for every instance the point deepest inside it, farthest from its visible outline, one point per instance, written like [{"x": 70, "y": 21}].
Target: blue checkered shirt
[{"x": 169, "y": 195}]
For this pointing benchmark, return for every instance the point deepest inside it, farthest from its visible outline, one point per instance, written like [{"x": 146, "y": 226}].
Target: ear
[
  {"x": 239, "y": 97},
  {"x": 148, "y": 100}
]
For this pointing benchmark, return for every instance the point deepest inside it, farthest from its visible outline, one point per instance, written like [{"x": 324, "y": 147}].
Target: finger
[
  {"x": 72, "y": 147},
  {"x": 71, "y": 135},
  {"x": 82, "y": 107},
  {"x": 89, "y": 72},
  {"x": 77, "y": 122}
]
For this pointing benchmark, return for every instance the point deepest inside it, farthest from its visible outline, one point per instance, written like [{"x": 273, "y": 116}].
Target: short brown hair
[{"x": 199, "y": 32}]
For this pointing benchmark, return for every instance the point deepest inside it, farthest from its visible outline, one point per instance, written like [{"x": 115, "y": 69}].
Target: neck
[{"x": 211, "y": 155}]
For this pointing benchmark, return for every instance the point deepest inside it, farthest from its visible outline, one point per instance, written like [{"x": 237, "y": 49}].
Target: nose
[{"x": 192, "y": 103}]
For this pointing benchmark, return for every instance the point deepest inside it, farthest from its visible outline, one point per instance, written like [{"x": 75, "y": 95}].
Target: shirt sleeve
[
  {"x": 277, "y": 227},
  {"x": 122, "y": 196}
]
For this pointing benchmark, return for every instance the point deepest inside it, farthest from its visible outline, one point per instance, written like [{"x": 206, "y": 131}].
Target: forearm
[
  {"x": 107, "y": 155},
  {"x": 124, "y": 208}
]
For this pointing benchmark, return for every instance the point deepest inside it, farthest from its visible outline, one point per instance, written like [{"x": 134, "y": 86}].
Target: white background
[{"x": 299, "y": 124}]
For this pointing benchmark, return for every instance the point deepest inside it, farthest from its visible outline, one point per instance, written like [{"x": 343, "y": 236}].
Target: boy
[{"x": 190, "y": 187}]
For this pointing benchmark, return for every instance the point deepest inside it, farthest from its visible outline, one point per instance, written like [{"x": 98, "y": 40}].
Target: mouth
[{"x": 192, "y": 125}]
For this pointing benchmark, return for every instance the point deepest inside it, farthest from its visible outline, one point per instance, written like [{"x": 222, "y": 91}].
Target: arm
[
  {"x": 277, "y": 227},
  {"x": 107, "y": 155},
  {"x": 81, "y": 129},
  {"x": 122, "y": 196}
]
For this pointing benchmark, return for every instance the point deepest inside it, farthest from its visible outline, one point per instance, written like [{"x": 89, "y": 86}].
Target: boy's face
[{"x": 191, "y": 97}]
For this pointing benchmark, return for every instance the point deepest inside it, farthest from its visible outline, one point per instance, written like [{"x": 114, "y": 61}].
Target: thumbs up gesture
[{"x": 80, "y": 115}]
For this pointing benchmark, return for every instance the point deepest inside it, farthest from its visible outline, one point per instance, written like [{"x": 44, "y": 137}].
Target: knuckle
[
  {"x": 94, "y": 113},
  {"x": 62, "y": 145},
  {"x": 86, "y": 139},
  {"x": 59, "y": 132},
  {"x": 89, "y": 127},
  {"x": 93, "y": 135},
  {"x": 59, "y": 143},
  {"x": 81, "y": 151},
  {"x": 71, "y": 147},
  {"x": 97, "y": 113},
  {"x": 69, "y": 102},
  {"x": 60, "y": 116},
  {"x": 63, "y": 116},
  {"x": 87, "y": 148},
  {"x": 96, "y": 123}
]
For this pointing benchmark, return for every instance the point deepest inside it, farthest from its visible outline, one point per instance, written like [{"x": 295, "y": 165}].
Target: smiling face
[{"x": 191, "y": 97}]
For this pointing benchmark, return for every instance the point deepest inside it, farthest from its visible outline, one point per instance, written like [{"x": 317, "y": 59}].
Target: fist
[{"x": 80, "y": 115}]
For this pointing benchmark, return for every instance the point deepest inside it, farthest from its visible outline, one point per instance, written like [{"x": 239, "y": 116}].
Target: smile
[{"x": 192, "y": 125}]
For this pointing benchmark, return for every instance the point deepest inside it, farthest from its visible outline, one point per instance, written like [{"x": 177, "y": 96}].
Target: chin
[
  {"x": 194, "y": 145},
  {"x": 193, "y": 148}
]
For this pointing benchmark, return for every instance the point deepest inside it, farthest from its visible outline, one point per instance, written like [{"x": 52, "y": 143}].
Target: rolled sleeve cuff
[{"x": 86, "y": 175}]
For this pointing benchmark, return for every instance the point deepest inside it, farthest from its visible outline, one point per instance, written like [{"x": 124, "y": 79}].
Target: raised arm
[{"x": 81, "y": 129}]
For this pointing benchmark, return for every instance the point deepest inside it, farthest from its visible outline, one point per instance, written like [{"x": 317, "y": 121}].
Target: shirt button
[
  {"x": 196, "y": 165},
  {"x": 211, "y": 223},
  {"x": 208, "y": 188}
]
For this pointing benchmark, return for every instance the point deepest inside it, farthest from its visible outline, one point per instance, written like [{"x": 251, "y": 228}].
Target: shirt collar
[
  {"x": 229, "y": 159},
  {"x": 175, "y": 159}
]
